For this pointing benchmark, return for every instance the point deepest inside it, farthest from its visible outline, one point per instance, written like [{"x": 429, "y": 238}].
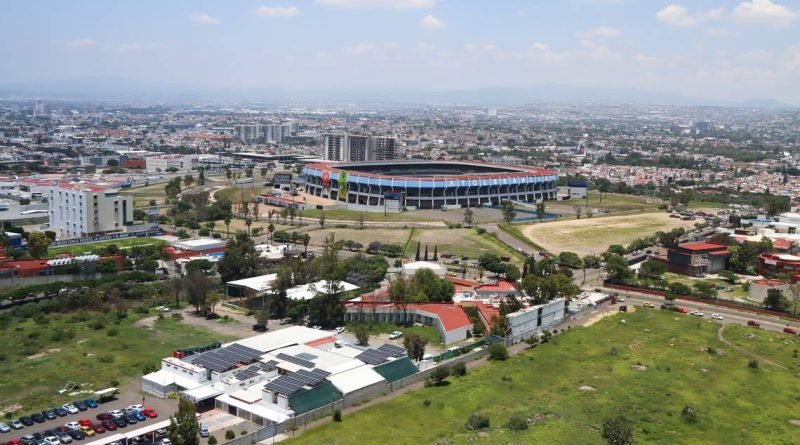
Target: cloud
[
  {"x": 764, "y": 12},
  {"x": 542, "y": 52},
  {"x": 80, "y": 43},
  {"x": 431, "y": 22},
  {"x": 602, "y": 32},
  {"x": 277, "y": 11},
  {"x": 360, "y": 49},
  {"x": 204, "y": 19},
  {"x": 472, "y": 47},
  {"x": 398, "y": 4},
  {"x": 677, "y": 15},
  {"x": 138, "y": 46}
]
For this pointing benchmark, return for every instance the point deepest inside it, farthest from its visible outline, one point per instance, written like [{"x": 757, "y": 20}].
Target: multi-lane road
[{"x": 729, "y": 315}]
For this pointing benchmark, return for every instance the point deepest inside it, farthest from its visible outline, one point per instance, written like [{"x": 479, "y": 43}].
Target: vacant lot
[
  {"x": 126, "y": 243},
  {"x": 143, "y": 195},
  {"x": 594, "y": 235},
  {"x": 646, "y": 369},
  {"x": 39, "y": 357},
  {"x": 364, "y": 236},
  {"x": 460, "y": 242}
]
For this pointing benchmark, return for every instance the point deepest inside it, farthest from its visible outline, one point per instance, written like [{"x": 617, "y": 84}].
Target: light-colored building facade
[
  {"x": 160, "y": 164},
  {"x": 358, "y": 148},
  {"x": 78, "y": 210}
]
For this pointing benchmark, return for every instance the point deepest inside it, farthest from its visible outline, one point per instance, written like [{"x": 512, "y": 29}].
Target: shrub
[
  {"x": 753, "y": 364},
  {"x": 477, "y": 422},
  {"x": 230, "y": 435},
  {"x": 459, "y": 369},
  {"x": 212, "y": 440},
  {"x": 517, "y": 423},
  {"x": 689, "y": 414},
  {"x": 337, "y": 415},
  {"x": 498, "y": 352},
  {"x": 97, "y": 324},
  {"x": 440, "y": 374},
  {"x": 480, "y": 230},
  {"x": 243, "y": 433},
  {"x": 426, "y": 403},
  {"x": 113, "y": 332}
]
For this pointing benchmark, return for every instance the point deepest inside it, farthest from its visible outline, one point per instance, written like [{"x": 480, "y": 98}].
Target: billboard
[
  {"x": 343, "y": 186},
  {"x": 282, "y": 178}
]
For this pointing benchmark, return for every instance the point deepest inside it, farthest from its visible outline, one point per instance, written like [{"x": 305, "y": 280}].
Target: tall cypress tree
[
  {"x": 435, "y": 253},
  {"x": 426, "y": 252},
  {"x": 416, "y": 257}
]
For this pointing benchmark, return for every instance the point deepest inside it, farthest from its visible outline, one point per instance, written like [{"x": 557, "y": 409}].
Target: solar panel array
[
  {"x": 248, "y": 373},
  {"x": 373, "y": 357},
  {"x": 392, "y": 350},
  {"x": 293, "y": 383},
  {"x": 268, "y": 366},
  {"x": 223, "y": 359},
  {"x": 295, "y": 360}
]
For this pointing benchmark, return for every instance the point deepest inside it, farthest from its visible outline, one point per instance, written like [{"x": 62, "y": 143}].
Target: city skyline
[{"x": 716, "y": 51}]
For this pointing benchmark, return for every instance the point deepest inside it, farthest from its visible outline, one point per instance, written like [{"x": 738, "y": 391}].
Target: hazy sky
[{"x": 723, "y": 49}]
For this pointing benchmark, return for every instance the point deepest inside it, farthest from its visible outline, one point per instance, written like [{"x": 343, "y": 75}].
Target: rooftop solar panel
[
  {"x": 296, "y": 360},
  {"x": 224, "y": 359},
  {"x": 392, "y": 350},
  {"x": 372, "y": 357}
]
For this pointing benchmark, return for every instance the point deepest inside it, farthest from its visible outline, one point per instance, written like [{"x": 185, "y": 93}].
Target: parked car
[
  {"x": 166, "y": 442},
  {"x": 49, "y": 414},
  {"x": 135, "y": 407},
  {"x": 98, "y": 428},
  {"x": 109, "y": 425},
  {"x": 339, "y": 329},
  {"x": 72, "y": 426},
  {"x": 52, "y": 440},
  {"x": 789, "y": 330},
  {"x": 120, "y": 422},
  {"x": 70, "y": 408},
  {"x": 27, "y": 421},
  {"x": 682, "y": 310},
  {"x": 27, "y": 439},
  {"x": 4, "y": 428},
  {"x": 80, "y": 405},
  {"x": 648, "y": 304},
  {"x": 752, "y": 323},
  {"x": 203, "y": 431},
  {"x": 116, "y": 413},
  {"x": 61, "y": 412},
  {"x": 16, "y": 424},
  {"x": 90, "y": 403},
  {"x": 76, "y": 435},
  {"x": 150, "y": 412},
  {"x": 395, "y": 334},
  {"x": 37, "y": 417},
  {"x": 64, "y": 438},
  {"x": 104, "y": 416},
  {"x": 85, "y": 422},
  {"x": 87, "y": 431},
  {"x": 131, "y": 419},
  {"x": 139, "y": 416},
  {"x": 717, "y": 317}
]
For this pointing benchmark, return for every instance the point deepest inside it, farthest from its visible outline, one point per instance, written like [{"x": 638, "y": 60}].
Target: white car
[
  {"x": 137, "y": 408},
  {"x": 697, "y": 313},
  {"x": 620, "y": 299},
  {"x": 166, "y": 442},
  {"x": 4, "y": 428},
  {"x": 70, "y": 408},
  {"x": 162, "y": 309},
  {"x": 116, "y": 414},
  {"x": 52, "y": 440},
  {"x": 74, "y": 426},
  {"x": 395, "y": 334},
  {"x": 339, "y": 330},
  {"x": 717, "y": 317}
]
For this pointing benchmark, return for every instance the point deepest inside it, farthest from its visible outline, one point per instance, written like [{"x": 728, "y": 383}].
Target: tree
[
  {"x": 617, "y": 268},
  {"x": 498, "y": 352},
  {"x": 614, "y": 249},
  {"x": 416, "y": 256},
  {"x": 509, "y": 212},
  {"x": 540, "y": 211},
  {"x": 306, "y": 240},
  {"x": 468, "y": 217},
  {"x": 426, "y": 286},
  {"x": 415, "y": 346},
  {"x": 241, "y": 259},
  {"x": 271, "y": 230},
  {"x": 183, "y": 427},
  {"x": 703, "y": 290},
  {"x": 512, "y": 273},
  {"x": 652, "y": 269},
  {"x": 198, "y": 286},
  {"x": 440, "y": 374},
  {"x": 321, "y": 219},
  {"x": 201, "y": 180},
  {"x": 362, "y": 334},
  {"x": 570, "y": 259},
  {"x": 227, "y": 226},
  {"x": 589, "y": 262},
  {"x": 188, "y": 180},
  {"x": 729, "y": 276},
  {"x": 37, "y": 244},
  {"x": 517, "y": 423},
  {"x": 178, "y": 287},
  {"x": 360, "y": 220},
  {"x": 426, "y": 252},
  {"x": 776, "y": 301},
  {"x": 617, "y": 431},
  {"x": 435, "y": 253},
  {"x": 577, "y": 212}
]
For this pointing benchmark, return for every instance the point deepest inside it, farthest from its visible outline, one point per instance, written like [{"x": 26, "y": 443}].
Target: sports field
[
  {"x": 647, "y": 369},
  {"x": 125, "y": 243},
  {"x": 593, "y": 235}
]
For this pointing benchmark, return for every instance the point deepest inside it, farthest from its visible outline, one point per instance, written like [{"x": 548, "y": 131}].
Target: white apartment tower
[
  {"x": 78, "y": 210},
  {"x": 357, "y": 148}
]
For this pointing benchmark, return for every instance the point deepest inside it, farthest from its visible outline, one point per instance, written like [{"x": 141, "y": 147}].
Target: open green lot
[
  {"x": 460, "y": 242},
  {"x": 39, "y": 357},
  {"x": 587, "y": 375},
  {"x": 737, "y": 291},
  {"x": 363, "y": 236},
  {"x": 143, "y": 195},
  {"x": 236, "y": 193},
  {"x": 353, "y": 215},
  {"x": 82, "y": 249},
  {"x": 378, "y": 328}
]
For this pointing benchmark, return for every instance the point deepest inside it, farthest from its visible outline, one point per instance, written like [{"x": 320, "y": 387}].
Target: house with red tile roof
[
  {"x": 696, "y": 259},
  {"x": 450, "y": 319}
]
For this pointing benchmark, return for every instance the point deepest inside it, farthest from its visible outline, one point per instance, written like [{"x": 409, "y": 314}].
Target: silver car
[{"x": 4, "y": 428}]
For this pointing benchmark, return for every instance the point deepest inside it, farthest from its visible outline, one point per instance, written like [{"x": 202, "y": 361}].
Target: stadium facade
[{"x": 394, "y": 185}]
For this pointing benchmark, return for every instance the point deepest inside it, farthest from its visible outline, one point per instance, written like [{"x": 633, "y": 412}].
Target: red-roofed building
[
  {"x": 451, "y": 321},
  {"x": 760, "y": 288},
  {"x": 782, "y": 245},
  {"x": 697, "y": 258},
  {"x": 770, "y": 264}
]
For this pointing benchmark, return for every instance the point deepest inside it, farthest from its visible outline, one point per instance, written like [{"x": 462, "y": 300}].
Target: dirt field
[{"x": 594, "y": 235}]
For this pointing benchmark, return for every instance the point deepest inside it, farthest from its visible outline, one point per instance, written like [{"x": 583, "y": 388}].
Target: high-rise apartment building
[
  {"x": 261, "y": 133},
  {"x": 78, "y": 210},
  {"x": 358, "y": 148}
]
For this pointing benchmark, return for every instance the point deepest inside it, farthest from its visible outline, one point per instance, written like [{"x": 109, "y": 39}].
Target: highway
[{"x": 730, "y": 315}]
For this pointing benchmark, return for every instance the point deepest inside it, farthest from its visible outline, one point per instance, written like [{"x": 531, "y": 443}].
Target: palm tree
[
  {"x": 270, "y": 214},
  {"x": 256, "y": 210},
  {"x": 271, "y": 229},
  {"x": 306, "y": 240},
  {"x": 227, "y": 226},
  {"x": 248, "y": 222}
]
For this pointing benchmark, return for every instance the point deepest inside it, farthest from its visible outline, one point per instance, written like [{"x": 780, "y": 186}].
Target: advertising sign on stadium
[
  {"x": 343, "y": 177},
  {"x": 282, "y": 178}
]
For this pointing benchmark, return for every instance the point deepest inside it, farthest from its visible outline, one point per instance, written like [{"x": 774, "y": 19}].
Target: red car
[
  {"x": 150, "y": 412},
  {"x": 109, "y": 425},
  {"x": 789, "y": 330},
  {"x": 98, "y": 428},
  {"x": 85, "y": 422},
  {"x": 752, "y": 323},
  {"x": 682, "y": 310},
  {"x": 14, "y": 442},
  {"x": 104, "y": 416}
]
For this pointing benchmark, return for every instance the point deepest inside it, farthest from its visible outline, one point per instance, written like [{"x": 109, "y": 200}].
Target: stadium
[{"x": 394, "y": 185}]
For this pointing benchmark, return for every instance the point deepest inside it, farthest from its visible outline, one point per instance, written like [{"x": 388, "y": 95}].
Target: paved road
[{"x": 730, "y": 315}]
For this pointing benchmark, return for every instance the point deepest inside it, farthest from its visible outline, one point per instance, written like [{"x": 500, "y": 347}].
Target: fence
[{"x": 256, "y": 436}]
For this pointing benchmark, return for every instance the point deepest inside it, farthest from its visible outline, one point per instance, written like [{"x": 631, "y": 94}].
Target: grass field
[
  {"x": 594, "y": 235},
  {"x": 363, "y": 236},
  {"x": 460, "y": 242},
  {"x": 428, "y": 332},
  {"x": 353, "y": 215},
  {"x": 735, "y": 404},
  {"x": 707, "y": 205},
  {"x": 609, "y": 201},
  {"x": 235, "y": 193},
  {"x": 143, "y": 195},
  {"x": 125, "y": 243},
  {"x": 737, "y": 292},
  {"x": 38, "y": 358}
]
